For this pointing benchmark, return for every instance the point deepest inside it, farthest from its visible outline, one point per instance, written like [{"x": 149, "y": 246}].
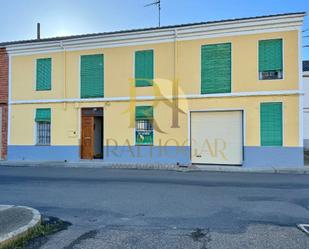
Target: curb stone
[
  {"x": 150, "y": 166},
  {"x": 36, "y": 220}
]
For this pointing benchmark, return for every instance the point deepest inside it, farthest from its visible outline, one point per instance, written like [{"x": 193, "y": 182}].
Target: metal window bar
[
  {"x": 144, "y": 125},
  {"x": 43, "y": 133},
  {"x": 271, "y": 75}
]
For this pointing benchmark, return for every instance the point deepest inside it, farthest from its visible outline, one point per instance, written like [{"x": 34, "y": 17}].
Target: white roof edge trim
[{"x": 255, "y": 24}]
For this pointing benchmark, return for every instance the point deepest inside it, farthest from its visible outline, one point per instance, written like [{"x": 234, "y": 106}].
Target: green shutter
[
  {"x": 216, "y": 68},
  {"x": 144, "y": 68},
  {"x": 43, "y": 115},
  {"x": 271, "y": 124},
  {"x": 92, "y": 76},
  {"x": 270, "y": 55},
  {"x": 43, "y": 74},
  {"x": 144, "y": 112}
]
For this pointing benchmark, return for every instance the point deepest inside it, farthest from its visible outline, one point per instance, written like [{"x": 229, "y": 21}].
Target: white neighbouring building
[{"x": 306, "y": 104}]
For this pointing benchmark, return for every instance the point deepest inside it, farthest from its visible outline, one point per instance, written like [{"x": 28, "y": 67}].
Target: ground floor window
[
  {"x": 144, "y": 125},
  {"x": 144, "y": 132},
  {"x": 43, "y": 121},
  {"x": 271, "y": 124},
  {"x": 43, "y": 133}
]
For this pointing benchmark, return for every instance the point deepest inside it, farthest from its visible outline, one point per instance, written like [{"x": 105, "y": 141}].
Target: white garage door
[{"x": 217, "y": 137}]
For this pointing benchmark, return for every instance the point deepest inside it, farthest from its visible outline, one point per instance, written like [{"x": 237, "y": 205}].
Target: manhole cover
[{"x": 304, "y": 228}]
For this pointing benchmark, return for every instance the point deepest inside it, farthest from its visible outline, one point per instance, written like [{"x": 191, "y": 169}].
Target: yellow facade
[
  {"x": 66, "y": 120},
  {"x": 119, "y": 68},
  {"x": 175, "y": 62}
]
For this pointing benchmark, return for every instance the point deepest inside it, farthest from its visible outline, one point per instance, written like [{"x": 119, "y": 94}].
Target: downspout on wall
[
  {"x": 64, "y": 75},
  {"x": 175, "y": 83}
]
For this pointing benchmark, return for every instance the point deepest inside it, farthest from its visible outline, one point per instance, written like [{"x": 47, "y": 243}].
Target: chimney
[{"x": 38, "y": 31}]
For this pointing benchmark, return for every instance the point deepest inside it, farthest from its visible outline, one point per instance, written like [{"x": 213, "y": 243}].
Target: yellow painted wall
[
  {"x": 119, "y": 68},
  {"x": 117, "y": 120}
]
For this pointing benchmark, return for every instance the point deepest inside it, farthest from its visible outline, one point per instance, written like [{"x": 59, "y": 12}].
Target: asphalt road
[{"x": 163, "y": 209}]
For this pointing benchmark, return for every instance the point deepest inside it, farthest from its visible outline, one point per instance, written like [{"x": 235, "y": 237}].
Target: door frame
[
  {"x": 242, "y": 110},
  {"x": 81, "y": 114}
]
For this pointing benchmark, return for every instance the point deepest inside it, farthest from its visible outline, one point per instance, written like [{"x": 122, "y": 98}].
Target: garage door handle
[{"x": 198, "y": 155}]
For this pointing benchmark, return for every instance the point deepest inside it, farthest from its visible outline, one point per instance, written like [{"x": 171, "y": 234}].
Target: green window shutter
[
  {"x": 271, "y": 124},
  {"x": 144, "y": 63},
  {"x": 216, "y": 68},
  {"x": 43, "y": 115},
  {"x": 92, "y": 76},
  {"x": 270, "y": 55},
  {"x": 43, "y": 74},
  {"x": 144, "y": 112}
]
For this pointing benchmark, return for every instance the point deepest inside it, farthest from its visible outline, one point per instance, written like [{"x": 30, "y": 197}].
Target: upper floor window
[
  {"x": 144, "y": 125},
  {"x": 43, "y": 74},
  {"x": 43, "y": 119},
  {"x": 216, "y": 68},
  {"x": 92, "y": 76},
  {"x": 270, "y": 59},
  {"x": 144, "y": 64}
]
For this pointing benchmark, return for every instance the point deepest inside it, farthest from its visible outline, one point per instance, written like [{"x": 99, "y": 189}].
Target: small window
[
  {"x": 270, "y": 59},
  {"x": 144, "y": 64},
  {"x": 43, "y": 74},
  {"x": 43, "y": 119},
  {"x": 144, "y": 125}
]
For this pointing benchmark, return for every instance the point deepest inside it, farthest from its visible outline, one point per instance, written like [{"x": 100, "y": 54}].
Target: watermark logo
[{"x": 165, "y": 92}]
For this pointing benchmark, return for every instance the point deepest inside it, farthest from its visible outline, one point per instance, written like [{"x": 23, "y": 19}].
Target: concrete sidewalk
[
  {"x": 184, "y": 168},
  {"x": 15, "y": 221}
]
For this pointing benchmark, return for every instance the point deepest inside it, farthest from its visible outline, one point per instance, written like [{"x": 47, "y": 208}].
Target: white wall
[{"x": 306, "y": 110}]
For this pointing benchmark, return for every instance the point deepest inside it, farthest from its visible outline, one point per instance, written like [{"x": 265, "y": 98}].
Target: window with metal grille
[
  {"x": 43, "y": 133},
  {"x": 144, "y": 125},
  {"x": 144, "y": 132},
  {"x": 270, "y": 59}
]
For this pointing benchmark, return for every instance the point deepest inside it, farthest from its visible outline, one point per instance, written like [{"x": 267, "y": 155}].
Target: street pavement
[{"x": 114, "y": 208}]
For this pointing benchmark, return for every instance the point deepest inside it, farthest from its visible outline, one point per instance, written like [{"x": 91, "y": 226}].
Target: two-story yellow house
[{"x": 224, "y": 92}]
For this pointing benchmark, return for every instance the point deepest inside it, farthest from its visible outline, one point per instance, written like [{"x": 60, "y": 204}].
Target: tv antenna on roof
[{"x": 157, "y": 3}]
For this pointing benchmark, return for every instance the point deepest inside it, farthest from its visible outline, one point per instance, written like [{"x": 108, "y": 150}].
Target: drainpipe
[
  {"x": 64, "y": 75},
  {"x": 175, "y": 54},
  {"x": 175, "y": 83}
]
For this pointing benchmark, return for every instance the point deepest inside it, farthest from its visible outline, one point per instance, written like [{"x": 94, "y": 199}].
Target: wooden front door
[{"x": 87, "y": 137}]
